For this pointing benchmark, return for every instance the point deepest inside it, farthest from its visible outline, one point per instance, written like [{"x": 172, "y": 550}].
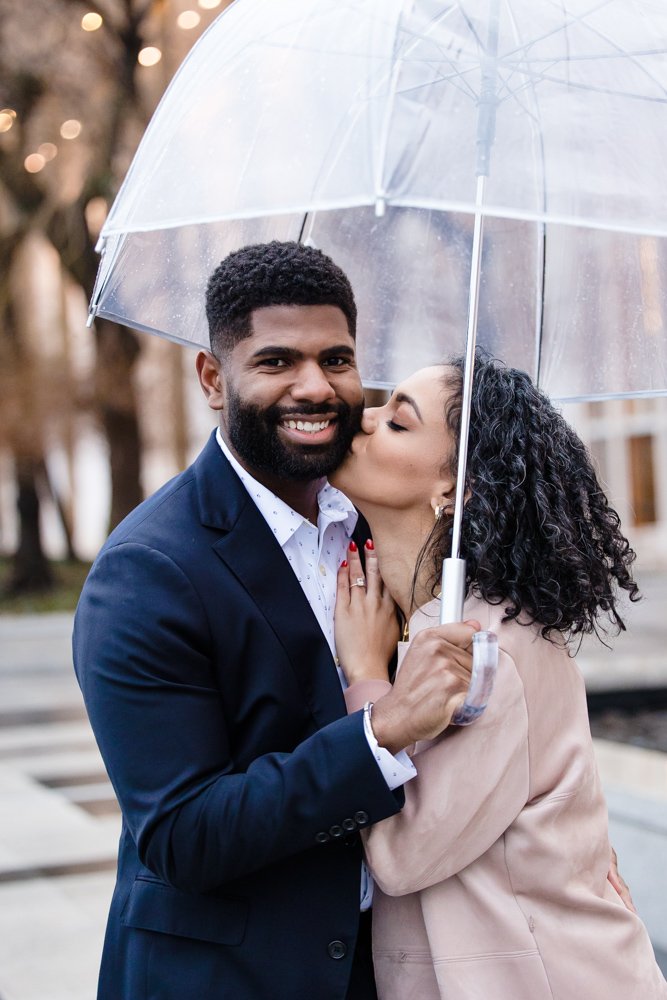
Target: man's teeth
[{"x": 311, "y": 426}]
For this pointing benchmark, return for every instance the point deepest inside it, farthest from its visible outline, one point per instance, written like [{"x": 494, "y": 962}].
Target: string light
[
  {"x": 209, "y": 4},
  {"x": 7, "y": 119},
  {"x": 34, "y": 163},
  {"x": 188, "y": 19},
  {"x": 91, "y": 21},
  {"x": 48, "y": 150},
  {"x": 149, "y": 56},
  {"x": 70, "y": 129},
  {"x": 96, "y": 212}
]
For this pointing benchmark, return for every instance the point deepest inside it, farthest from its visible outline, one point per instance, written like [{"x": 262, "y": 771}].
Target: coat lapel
[{"x": 249, "y": 550}]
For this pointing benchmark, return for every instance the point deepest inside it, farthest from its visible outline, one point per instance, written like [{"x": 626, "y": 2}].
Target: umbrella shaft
[{"x": 471, "y": 343}]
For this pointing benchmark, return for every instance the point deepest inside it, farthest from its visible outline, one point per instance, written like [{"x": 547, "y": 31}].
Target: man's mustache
[{"x": 277, "y": 413}]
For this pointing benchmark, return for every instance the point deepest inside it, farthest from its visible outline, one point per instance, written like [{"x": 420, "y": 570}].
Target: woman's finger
[
  {"x": 356, "y": 570},
  {"x": 343, "y": 585},
  {"x": 373, "y": 578}
]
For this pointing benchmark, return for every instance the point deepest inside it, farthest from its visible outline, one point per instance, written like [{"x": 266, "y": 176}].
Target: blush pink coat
[{"x": 492, "y": 880}]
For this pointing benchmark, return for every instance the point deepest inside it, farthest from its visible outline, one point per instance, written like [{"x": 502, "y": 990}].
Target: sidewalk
[{"x": 60, "y": 822}]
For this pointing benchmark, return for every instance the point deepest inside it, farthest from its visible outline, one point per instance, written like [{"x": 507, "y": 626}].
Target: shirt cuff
[{"x": 395, "y": 770}]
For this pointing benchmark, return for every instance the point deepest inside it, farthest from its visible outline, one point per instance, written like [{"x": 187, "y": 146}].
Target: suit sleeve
[
  {"x": 471, "y": 784},
  {"x": 142, "y": 654}
]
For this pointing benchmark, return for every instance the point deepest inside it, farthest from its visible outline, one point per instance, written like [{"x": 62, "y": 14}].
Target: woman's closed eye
[{"x": 393, "y": 426}]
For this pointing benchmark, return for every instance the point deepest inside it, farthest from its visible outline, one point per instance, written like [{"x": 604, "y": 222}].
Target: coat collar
[{"x": 253, "y": 555}]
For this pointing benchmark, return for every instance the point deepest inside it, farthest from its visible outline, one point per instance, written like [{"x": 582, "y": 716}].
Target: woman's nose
[{"x": 369, "y": 419}]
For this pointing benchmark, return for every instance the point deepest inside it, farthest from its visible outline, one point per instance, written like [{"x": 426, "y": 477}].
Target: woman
[{"x": 492, "y": 881}]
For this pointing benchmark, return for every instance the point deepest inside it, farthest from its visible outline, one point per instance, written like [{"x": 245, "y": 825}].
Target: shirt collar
[{"x": 280, "y": 517}]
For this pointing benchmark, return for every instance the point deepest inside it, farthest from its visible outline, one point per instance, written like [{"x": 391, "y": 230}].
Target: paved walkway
[{"x": 60, "y": 822}]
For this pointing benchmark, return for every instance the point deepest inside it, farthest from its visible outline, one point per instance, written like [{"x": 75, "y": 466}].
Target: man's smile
[{"x": 313, "y": 430}]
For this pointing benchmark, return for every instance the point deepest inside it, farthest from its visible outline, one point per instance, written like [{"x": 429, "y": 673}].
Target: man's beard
[{"x": 253, "y": 433}]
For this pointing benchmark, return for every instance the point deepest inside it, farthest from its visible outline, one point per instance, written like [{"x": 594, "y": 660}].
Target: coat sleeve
[
  {"x": 142, "y": 652},
  {"x": 471, "y": 784}
]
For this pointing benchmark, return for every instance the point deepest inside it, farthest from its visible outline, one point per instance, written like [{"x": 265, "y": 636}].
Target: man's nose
[{"x": 313, "y": 385}]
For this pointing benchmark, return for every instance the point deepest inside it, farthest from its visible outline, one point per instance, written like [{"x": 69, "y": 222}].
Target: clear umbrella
[
  {"x": 414, "y": 140},
  {"x": 367, "y": 119}
]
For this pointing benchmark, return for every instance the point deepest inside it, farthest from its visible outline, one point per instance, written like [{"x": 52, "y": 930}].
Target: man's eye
[
  {"x": 273, "y": 362},
  {"x": 393, "y": 426},
  {"x": 337, "y": 362}
]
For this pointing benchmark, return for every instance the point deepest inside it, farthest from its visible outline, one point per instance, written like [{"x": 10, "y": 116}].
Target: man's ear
[{"x": 211, "y": 379}]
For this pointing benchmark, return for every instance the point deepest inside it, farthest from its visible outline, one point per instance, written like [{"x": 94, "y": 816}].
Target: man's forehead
[{"x": 305, "y": 329}]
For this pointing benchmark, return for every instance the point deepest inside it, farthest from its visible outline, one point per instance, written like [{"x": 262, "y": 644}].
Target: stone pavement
[{"x": 59, "y": 821}]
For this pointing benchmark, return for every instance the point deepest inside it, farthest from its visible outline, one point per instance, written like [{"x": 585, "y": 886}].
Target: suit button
[
  {"x": 322, "y": 837},
  {"x": 349, "y": 824},
  {"x": 337, "y": 949},
  {"x": 336, "y": 831},
  {"x": 361, "y": 818}
]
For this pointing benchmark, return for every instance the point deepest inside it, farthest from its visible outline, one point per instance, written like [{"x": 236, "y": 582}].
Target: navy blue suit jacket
[{"x": 242, "y": 782}]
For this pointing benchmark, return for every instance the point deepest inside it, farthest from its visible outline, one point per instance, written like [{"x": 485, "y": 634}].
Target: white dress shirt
[{"x": 315, "y": 553}]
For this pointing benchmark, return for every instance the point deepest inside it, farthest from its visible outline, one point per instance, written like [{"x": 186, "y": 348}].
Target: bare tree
[
  {"x": 81, "y": 100},
  {"x": 57, "y": 74}
]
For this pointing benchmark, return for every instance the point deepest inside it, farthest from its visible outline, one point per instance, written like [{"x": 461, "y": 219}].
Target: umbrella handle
[
  {"x": 484, "y": 644},
  {"x": 484, "y": 666}
]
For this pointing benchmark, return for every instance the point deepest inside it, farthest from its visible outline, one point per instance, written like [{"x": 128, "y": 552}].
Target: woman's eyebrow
[{"x": 402, "y": 397}]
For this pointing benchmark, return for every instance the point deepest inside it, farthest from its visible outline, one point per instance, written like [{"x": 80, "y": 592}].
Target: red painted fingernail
[
  {"x": 353, "y": 546},
  {"x": 369, "y": 544},
  {"x": 343, "y": 564}
]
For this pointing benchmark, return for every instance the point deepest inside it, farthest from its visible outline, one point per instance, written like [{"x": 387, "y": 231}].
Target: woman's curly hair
[{"x": 538, "y": 533}]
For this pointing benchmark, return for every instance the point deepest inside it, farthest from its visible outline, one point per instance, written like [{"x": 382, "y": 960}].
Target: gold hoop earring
[{"x": 439, "y": 510}]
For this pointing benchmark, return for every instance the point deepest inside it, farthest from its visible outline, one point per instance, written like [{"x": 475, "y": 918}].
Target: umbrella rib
[
  {"x": 622, "y": 52},
  {"x": 547, "y": 78},
  {"x": 539, "y": 154},
  {"x": 634, "y": 57},
  {"x": 522, "y": 48},
  {"x": 441, "y": 77},
  {"x": 415, "y": 39}
]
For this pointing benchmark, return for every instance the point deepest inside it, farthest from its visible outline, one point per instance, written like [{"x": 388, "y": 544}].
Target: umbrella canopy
[{"x": 363, "y": 126}]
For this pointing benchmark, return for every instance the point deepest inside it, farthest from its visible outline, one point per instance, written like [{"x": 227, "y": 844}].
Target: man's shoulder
[
  {"x": 181, "y": 504},
  {"x": 172, "y": 503}
]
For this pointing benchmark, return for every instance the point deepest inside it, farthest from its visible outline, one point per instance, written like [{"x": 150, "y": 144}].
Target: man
[{"x": 203, "y": 644}]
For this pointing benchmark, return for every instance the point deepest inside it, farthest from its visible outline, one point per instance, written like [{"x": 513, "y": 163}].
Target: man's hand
[
  {"x": 619, "y": 883},
  {"x": 430, "y": 686}
]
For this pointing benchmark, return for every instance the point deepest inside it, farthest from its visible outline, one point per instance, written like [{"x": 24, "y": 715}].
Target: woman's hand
[
  {"x": 366, "y": 627},
  {"x": 619, "y": 883}
]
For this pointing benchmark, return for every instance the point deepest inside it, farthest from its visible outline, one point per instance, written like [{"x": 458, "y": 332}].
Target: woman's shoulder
[{"x": 517, "y": 638}]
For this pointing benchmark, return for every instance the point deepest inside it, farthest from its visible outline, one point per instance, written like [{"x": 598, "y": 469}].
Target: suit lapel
[{"x": 252, "y": 554}]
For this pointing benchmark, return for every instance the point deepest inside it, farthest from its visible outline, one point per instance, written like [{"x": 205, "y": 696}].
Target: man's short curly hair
[
  {"x": 272, "y": 274},
  {"x": 538, "y": 533}
]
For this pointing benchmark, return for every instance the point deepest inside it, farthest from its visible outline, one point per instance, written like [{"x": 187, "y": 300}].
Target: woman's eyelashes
[{"x": 393, "y": 426}]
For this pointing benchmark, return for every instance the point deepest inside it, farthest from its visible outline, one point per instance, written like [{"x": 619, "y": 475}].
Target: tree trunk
[
  {"x": 31, "y": 570},
  {"x": 117, "y": 353}
]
